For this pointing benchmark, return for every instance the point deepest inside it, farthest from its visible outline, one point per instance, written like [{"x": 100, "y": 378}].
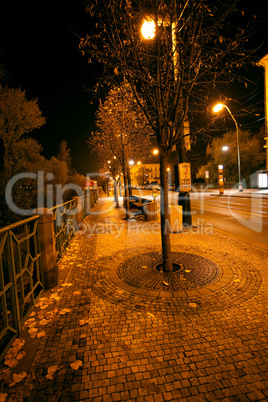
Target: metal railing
[
  {"x": 21, "y": 281},
  {"x": 65, "y": 221},
  {"x": 21, "y": 275}
]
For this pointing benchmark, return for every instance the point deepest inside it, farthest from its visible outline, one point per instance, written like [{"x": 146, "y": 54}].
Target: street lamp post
[{"x": 216, "y": 109}]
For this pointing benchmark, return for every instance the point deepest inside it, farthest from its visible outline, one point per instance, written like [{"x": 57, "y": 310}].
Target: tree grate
[{"x": 192, "y": 272}]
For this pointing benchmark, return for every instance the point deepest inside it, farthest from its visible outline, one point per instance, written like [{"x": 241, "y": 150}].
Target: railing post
[
  {"x": 47, "y": 247},
  {"x": 79, "y": 209}
]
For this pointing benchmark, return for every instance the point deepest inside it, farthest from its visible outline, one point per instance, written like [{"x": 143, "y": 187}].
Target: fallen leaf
[
  {"x": 3, "y": 397},
  {"x": 29, "y": 321},
  {"x": 145, "y": 266},
  {"x": 103, "y": 338},
  {"x": 44, "y": 321},
  {"x": 76, "y": 364},
  {"x": 54, "y": 295},
  {"x": 11, "y": 362},
  {"x": 33, "y": 313},
  {"x": 77, "y": 292},
  {"x": 192, "y": 304},
  {"x": 18, "y": 377},
  {"x": 187, "y": 270},
  {"x": 32, "y": 330},
  {"x": 152, "y": 386},
  {"x": 14, "y": 354},
  {"x": 127, "y": 349},
  {"x": 64, "y": 311},
  {"x": 40, "y": 334},
  {"x": 44, "y": 306},
  {"x": 83, "y": 322},
  {"x": 32, "y": 325},
  {"x": 6, "y": 376},
  {"x": 32, "y": 336},
  {"x": 20, "y": 355},
  {"x": 237, "y": 280},
  {"x": 165, "y": 283},
  {"x": 51, "y": 371},
  {"x": 66, "y": 284}
]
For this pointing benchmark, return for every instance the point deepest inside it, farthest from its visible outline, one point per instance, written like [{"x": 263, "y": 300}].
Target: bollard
[
  {"x": 47, "y": 247},
  {"x": 184, "y": 201}
]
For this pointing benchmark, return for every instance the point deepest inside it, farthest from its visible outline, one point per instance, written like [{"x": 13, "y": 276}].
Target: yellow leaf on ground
[
  {"x": 44, "y": 306},
  {"x": 19, "y": 377},
  {"x": 32, "y": 330},
  {"x": 20, "y": 355},
  {"x": 29, "y": 321},
  {"x": 3, "y": 397},
  {"x": 54, "y": 295},
  {"x": 76, "y": 364},
  {"x": 192, "y": 304},
  {"x": 64, "y": 311},
  {"x": 33, "y": 313},
  {"x": 11, "y": 362},
  {"x": 51, "y": 371},
  {"x": 44, "y": 322},
  {"x": 40, "y": 334}
]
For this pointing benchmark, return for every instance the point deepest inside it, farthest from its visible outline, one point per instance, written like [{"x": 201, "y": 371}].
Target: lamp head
[
  {"x": 148, "y": 29},
  {"x": 218, "y": 107}
]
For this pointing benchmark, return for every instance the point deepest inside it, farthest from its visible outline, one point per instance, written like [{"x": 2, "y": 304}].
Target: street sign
[{"x": 185, "y": 176}]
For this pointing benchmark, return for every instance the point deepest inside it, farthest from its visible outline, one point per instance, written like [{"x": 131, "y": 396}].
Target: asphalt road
[{"x": 245, "y": 216}]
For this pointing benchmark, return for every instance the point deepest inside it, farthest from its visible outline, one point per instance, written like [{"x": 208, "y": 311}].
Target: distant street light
[
  {"x": 155, "y": 151},
  {"x": 216, "y": 109},
  {"x": 225, "y": 148}
]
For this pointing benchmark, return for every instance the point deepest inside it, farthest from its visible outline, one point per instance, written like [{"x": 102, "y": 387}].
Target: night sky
[{"x": 39, "y": 47}]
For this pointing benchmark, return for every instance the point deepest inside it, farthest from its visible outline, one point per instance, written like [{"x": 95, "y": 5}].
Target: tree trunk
[
  {"x": 129, "y": 180},
  {"x": 116, "y": 194},
  {"x": 126, "y": 200},
  {"x": 164, "y": 209}
]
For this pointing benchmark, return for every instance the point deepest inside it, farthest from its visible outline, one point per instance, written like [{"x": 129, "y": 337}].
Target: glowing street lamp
[
  {"x": 155, "y": 151},
  {"x": 225, "y": 148},
  {"x": 216, "y": 109},
  {"x": 148, "y": 29}
]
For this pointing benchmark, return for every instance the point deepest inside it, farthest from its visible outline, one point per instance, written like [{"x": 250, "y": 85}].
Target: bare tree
[
  {"x": 122, "y": 131},
  {"x": 196, "y": 50}
]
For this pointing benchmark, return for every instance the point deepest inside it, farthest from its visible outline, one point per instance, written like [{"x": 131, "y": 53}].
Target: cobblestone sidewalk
[{"x": 106, "y": 340}]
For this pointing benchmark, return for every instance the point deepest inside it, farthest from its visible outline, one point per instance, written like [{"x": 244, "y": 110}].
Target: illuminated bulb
[
  {"x": 218, "y": 107},
  {"x": 148, "y": 29}
]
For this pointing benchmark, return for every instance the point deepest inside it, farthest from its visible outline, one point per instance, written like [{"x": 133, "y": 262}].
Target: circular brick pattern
[
  {"x": 232, "y": 282},
  {"x": 194, "y": 272}
]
